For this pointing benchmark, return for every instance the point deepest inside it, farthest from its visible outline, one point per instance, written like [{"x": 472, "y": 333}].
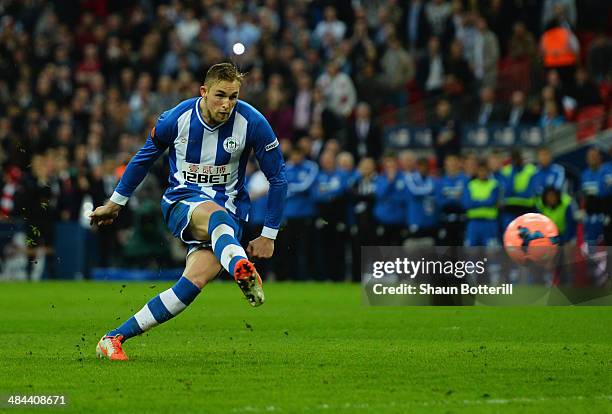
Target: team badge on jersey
[{"x": 230, "y": 144}]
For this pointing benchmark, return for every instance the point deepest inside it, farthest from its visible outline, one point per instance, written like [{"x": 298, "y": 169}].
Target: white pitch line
[{"x": 445, "y": 402}]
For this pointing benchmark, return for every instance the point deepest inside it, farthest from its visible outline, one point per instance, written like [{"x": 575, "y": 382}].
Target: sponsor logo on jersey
[
  {"x": 272, "y": 145},
  {"x": 206, "y": 174},
  {"x": 230, "y": 144}
]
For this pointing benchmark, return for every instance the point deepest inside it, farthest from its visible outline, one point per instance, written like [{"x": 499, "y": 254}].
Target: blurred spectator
[
  {"x": 363, "y": 195},
  {"x": 338, "y": 90},
  {"x": 552, "y": 9},
  {"x": 585, "y": 91},
  {"x": 449, "y": 195},
  {"x": 599, "y": 59},
  {"x": 486, "y": 54},
  {"x": 296, "y": 238},
  {"x": 500, "y": 16},
  {"x": 89, "y": 66},
  {"x": 481, "y": 203},
  {"x": 607, "y": 206},
  {"x": 390, "y": 205},
  {"x": 518, "y": 188},
  {"x": 346, "y": 163},
  {"x": 243, "y": 30},
  {"x": 453, "y": 24},
  {"x": 559, "y": 207},
  {"x": 551, "y": 116},
  {"x": 459, "y": 77},
  {"x": 560, "y": 47},
  {"x": 488, "y": 112},
  {"x": 279, "y": 113},
  {"x": 302, "y": 113},
  {"x": 495, "y": 163},
  {"x": 188, "y": 27},
  {"x": 35, "y": 202},
  {"x": 329, "y": 192},
  {"x": 446, "y": 132},
  {"x": 417, "y": 25},
  {"x": 330, "y": 30},
  {"x": 397, "y": 71},
  {"x": 517, "y": 113},
  {"x": 364, "y": 138},
  {"x": 549, "y": 174},
  {"x": 591, "y": 184},
  {"x": 420, "y": 216},
  {"x": 11, "y": 190},
  {"x": 406, "y": 161},
  {"x": 430, "y": 69},
  {"x": 437, "y": 13},
  {"x": 522, "y": 44}
]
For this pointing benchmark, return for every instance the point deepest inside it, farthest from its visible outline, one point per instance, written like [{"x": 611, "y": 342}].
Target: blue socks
[
  {"x": 222, "y": 230},
  {"x": 158, "y": 310}
]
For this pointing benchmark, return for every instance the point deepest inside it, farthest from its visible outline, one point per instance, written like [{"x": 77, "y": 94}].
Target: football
[{"x": 531, "y": 238}]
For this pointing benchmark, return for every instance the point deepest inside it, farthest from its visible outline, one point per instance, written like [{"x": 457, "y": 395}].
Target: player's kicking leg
[
  {"x": 201, "y": 267},
  {"x": 211, "y": 222}
]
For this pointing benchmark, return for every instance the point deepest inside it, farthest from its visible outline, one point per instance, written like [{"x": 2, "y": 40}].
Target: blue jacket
[
  {"x": 551, "y": 176},
  {"x": 329, "y": 186},
  {"x": 449, "y": 194},
  {"x": 390, "y": 204},
  {"x": 300, "y": 179},
  {"x": 421, "y": 206},
  {"x": 606, "y": 172},
  {"x": 592, "y": 182}
]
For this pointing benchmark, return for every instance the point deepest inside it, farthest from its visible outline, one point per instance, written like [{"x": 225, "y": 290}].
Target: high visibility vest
[
  {"x": 556, "y": 48},
  {"x": 520, "y": 184},
  {"x": 479, "y": 191},
  {"x": 556, "y": 214}
]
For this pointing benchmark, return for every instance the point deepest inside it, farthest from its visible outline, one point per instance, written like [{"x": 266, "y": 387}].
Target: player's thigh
[
  {"x": 202, "y": 266},
  {"x": 198, "y": 225}
]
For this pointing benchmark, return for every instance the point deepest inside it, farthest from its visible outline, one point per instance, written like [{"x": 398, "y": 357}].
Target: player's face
[{"x": 219, "y": 100}]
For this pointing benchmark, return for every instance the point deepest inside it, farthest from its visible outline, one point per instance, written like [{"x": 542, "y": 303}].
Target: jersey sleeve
[
  {"x": 138, "y": 167},
  {"x": 270, "y": 158}
]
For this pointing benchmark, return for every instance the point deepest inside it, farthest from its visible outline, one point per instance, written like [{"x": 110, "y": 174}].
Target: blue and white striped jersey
[{"x": 212, "y": 160}]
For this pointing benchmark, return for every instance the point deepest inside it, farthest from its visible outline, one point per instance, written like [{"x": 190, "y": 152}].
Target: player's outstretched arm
[{"x": 104, "y": 215}]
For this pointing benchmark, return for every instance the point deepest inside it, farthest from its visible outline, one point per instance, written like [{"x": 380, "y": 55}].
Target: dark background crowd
[{"x": 82, "y": 82}]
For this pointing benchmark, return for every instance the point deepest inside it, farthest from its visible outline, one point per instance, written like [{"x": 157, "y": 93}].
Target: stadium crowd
[{"x": 81, "y": 84}]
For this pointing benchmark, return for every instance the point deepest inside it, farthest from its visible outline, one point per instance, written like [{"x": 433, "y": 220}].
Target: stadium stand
[{"x": 81, "y": 84}]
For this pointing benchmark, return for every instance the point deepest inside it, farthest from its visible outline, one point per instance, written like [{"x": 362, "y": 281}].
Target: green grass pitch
[{"x": 312, "y": 348}]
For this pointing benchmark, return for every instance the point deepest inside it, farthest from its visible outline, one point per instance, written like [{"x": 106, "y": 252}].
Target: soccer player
[{"x": 206, "y": 205}]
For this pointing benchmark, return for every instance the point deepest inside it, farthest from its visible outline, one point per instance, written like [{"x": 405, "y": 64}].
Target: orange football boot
[{"x": 249, "y": 282}]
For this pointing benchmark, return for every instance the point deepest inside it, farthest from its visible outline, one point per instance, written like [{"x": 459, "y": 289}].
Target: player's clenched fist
[
  {"x": 261, "y": 248},
  {"x": 104, "y": 215}
]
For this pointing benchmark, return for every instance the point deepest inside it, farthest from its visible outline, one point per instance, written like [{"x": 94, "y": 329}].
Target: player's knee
[
  {"x": 198, "y": 224},
  {"x": 200, "y": 277},
  {"x": 202, "y": 266}
]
